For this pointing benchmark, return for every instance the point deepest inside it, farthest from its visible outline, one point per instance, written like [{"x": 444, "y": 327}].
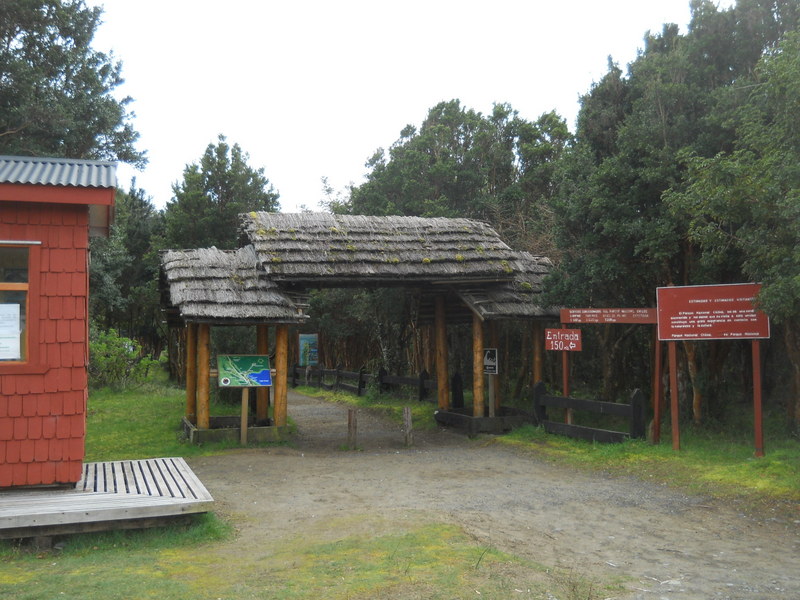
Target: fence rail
[
  {"x": 356, "y": 381},
  {"x": 634, "y": 412}
]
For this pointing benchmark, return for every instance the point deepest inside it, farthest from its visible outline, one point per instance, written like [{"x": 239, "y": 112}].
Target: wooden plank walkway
[{"x": 110, "y": 495}]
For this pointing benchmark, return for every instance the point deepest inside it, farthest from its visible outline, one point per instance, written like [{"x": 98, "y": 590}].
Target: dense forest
[{"x": 683, "y": 169}]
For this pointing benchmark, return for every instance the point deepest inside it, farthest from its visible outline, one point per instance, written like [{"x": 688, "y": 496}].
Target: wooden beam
[
  {"x": 281, "y": 372},
  {"x": 537, "y": 341},
  {"x": 478, "y": 399},
  {"x": 442, "y": 376},
  {"x": 262, "y": 393},
  {"x": 494, "y": 380},
  {"x": 191, "y": 372},
  {"x": 203, "y": 375}
]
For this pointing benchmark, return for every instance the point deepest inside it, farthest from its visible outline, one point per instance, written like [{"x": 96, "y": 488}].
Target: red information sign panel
[
  {"x": 710, "y": 312},
  {"x": 608, "y": 315},
  {"x": 562, "y": 339}
]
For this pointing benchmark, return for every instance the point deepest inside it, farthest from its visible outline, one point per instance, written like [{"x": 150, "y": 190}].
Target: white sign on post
[
  {"x": 9, "y": 332},
  {"x": 490, "y": 366}
]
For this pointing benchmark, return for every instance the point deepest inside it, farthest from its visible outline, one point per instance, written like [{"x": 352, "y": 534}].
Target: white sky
[{"x": 312, "y": 88}]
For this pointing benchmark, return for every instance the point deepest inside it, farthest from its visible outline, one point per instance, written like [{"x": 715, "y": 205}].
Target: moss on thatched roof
[
  {"x": 323, "y": 249},
  {"x": 211, "y": 285}
]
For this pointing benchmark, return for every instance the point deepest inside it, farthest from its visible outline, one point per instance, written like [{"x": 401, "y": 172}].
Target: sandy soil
[{"x": 672, "y": 546}]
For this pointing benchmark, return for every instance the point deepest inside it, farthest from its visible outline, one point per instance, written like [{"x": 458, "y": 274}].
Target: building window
[{"x": 14, "y": 281}]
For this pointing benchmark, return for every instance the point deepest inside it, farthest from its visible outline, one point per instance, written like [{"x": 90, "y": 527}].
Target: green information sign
[{"x": 243, "y": 370}]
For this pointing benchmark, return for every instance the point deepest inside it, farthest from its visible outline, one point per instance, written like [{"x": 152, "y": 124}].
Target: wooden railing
[
  {"x": 633, "y": 412},
  {"x": 356, "y": 381}
]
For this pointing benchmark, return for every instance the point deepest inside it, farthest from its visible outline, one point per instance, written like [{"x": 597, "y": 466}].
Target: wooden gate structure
[{"x": 461, "y": 270}]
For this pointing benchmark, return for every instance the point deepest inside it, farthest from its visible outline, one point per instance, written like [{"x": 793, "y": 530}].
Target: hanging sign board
[
  {"x": 490, "y": 366},
  {"x": 309, "y": 353},
  {"x": 563, "y": 339},
  {"x": 243, "y": 370},
  {"x": 710, "y": 312},
  {"x": 608, "y": 315}
]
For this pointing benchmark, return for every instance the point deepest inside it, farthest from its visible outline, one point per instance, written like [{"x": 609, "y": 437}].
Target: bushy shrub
[{"x": 116, "y": 361}]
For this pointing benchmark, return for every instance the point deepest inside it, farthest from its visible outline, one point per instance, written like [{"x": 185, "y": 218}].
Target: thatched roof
[
  {"x": 514, "y": 299},
  {"x": 219, "y": 286},
  {"x": 320, "y": 249}
]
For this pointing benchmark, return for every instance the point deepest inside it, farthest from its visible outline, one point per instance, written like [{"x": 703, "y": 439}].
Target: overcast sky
[{"x": 312, "y": 89}]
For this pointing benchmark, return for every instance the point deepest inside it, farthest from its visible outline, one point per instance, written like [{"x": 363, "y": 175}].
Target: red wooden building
[{"x": 48, "y": 209}]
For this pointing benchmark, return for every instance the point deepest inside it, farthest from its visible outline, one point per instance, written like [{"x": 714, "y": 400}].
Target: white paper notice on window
[{"x": 9, "y": 332}]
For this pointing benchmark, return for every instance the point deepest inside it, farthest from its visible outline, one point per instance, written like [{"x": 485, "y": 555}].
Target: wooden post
[
  {"x": 262, "y": 393},
  {"x": 442, "y": 377},
  {"x": 245, "y": 410},
  {"x": 538, "y": 348},
  {"x": 673, "y": 393},
  {"x": 407, "y": 426},
  {"x": 203, "y": 375},
  {"x": 191, "y": 372},
  {"x": 495, "y": 396},
  {"x": 658, "y": 388},
  {"x": 281, "y": 368},
  {"x": 352, "y": 428},
  {"x": 478, "y": 399},
  {"x": 759, "y": 430}
]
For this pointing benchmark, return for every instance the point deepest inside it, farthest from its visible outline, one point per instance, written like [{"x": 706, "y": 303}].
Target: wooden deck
[{"x": 110, "y": 495}]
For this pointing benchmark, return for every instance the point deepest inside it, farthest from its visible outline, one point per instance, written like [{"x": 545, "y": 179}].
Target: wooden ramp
[{"x": 110, "y": 495}]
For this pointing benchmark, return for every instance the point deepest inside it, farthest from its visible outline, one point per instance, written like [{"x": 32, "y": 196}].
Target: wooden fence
[
  {"x": 356, "y": 381},
  {"x": 634, "y": 412}
]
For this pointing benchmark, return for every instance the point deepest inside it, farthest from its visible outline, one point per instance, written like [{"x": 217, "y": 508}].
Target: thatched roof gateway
[
  {"x": 320, "y": 249},
  {"x": 219, "y": 286},
  {"x": 290, "y": 253}
]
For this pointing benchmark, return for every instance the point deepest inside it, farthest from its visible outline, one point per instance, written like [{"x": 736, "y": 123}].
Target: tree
[
  {"x": 746, "y": 202},
  {"x": 206, "y": 205},
  {"x": 124, "y": 272},
  {"x": 55, "y": 90}
]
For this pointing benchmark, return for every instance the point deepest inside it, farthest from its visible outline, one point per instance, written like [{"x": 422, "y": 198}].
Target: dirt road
[{"x": 668, "y": 545}]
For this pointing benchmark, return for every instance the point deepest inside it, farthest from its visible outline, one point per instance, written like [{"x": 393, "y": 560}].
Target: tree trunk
[
  {"x": 697, "y": 395},
  {"x": 792, "y": 341}
]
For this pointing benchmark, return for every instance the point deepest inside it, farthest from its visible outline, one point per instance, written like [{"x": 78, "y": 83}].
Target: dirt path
[{"x": 673, "y": 546}]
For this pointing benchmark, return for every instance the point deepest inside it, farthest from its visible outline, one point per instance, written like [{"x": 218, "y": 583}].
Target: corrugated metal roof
[{"x": 58, "y": 171}]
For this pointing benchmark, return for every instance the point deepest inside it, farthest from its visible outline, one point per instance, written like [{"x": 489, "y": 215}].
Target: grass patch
[
  {"x": 432, "y": 561},
  {"x": 716, "y": 461},
  {"x": 111, "y": 565},
  {"x": 145, "y": 422}
]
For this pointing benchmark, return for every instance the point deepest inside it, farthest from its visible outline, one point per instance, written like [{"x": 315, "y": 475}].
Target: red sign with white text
[
  {"x": 608, "y": 315},
  {"x": 563, "y": 339},
  {"x": 710, "y": 312}
]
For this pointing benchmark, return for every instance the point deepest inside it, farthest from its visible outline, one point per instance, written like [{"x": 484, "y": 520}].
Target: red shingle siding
[{"x": 43, "y": 409}]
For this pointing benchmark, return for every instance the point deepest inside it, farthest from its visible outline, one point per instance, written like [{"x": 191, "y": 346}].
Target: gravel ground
[{"x": 669, "y": 545}]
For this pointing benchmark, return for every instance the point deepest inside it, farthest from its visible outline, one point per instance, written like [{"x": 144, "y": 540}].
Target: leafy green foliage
[
  {"x": 116, "y": 361},
  {"x": 56, "y": 91},
  {"x": 205, "y": 209},
  {"x": 124, "y": 272}
]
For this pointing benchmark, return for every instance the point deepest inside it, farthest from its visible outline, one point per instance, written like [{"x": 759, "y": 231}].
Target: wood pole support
[
  {"x": 478, "y": 400},
  {"x": 408, "y": 430},
  {"x": 245, "y": 411},
  {"x": 759, "y": 430},
  {"x": 262, "y": 393},
  {"x": 281, "y": 372},
  {"x": 673, "y": 393},
  {"x": 658, "y": 387},
  {"x": 191, "y": 372},
  {"x": 203, "y": 375},
  {"x": 442, "y": 376},
  {"x": 537, "y": 340},
  {"x": 352, "y": 429},
  {"x": 495, "y": 396}
]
